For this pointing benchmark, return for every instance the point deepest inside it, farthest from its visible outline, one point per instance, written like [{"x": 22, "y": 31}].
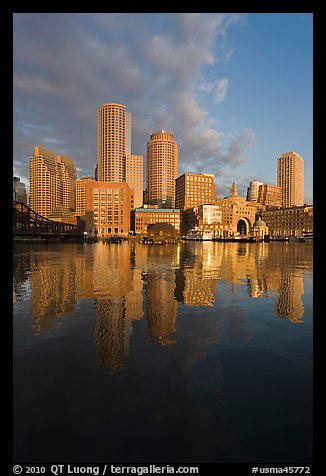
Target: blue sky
[{"x": 234, "y": 89}]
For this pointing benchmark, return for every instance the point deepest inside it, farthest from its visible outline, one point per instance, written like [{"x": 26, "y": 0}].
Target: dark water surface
[{"x": 196, "y": 352}]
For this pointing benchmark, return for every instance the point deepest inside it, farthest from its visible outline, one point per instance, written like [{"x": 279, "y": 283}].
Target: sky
[{"x": 235, "y": 90}]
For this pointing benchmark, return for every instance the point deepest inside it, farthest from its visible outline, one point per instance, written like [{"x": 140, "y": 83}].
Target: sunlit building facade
[
  {"x": 252, "y": 192},
  {"x": 111, "y": 142},
  {"x": 81, "y": 194},
  {"x": 141, "y": 218},
  {"x": 162, "y": 169},
  {"x": 193, "y": 190},
  {"x": 52, "y": 182},
  {"x": 290, "y": 176},
  {"x": 108, "y": 207},
  {"x": 269, "y": 195},
  {"x": 289, "y": 222},
  {"x": 134, "y": 177}
]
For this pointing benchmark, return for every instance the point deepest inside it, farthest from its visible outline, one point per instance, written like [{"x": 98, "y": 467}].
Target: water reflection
[{"x": 129, "y": 282}]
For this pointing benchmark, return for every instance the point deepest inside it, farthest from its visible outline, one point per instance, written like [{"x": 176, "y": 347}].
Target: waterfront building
[
  {"x": 52, "y": 182},
  {"x": 81, "y": 194},
  {"x": 19, "y": 191},
  {"x": 134, "y": 177},
  {"x": 162, "y": 169},
  {"x": 238, "y": 214},
  {"x": 269, "y": 195},
  {"x": 252, "y": 192},
  {"x": 289, "y": 222},
  {"x": 141, "y": 218},
  {"x": 193, "y": 190},
  {"x": 234, "y": 215},
  {"x": 203, "y": 217},
  {"x": 259, "y": 229},
  {"x": 162, "y": 232},
  {"x": 290, "y": 176},
  {"x": 111, "y": 142},
  {"x": 108, "y": 207}
]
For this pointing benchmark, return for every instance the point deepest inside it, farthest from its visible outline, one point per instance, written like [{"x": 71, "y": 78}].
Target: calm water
[{"x": 197, "y": 352}]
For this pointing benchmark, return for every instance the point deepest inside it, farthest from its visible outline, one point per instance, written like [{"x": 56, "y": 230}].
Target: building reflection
[
  {"x": 129, "y": 281},
  {"x": 266, "y": 268},
  {"x": 161, "y": 306},
  {"x": 117, "y": 288},
  {"x": 53, "y": 287},
  {"x": 196, "y": 279},
  {"x": 289, "y": 304}
]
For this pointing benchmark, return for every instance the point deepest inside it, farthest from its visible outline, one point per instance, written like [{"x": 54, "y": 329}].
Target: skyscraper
[
  {"x": 52, "y": 182},
  {"x": 162, "y": 169},
  {"x": 290, "y": 172},
  {"x": 111, "y": 142}
]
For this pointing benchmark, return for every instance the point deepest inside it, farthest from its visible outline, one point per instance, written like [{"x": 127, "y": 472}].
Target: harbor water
[{"x": 195, "y": 352}]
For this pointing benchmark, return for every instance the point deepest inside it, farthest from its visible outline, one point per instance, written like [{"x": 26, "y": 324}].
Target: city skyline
[{"x": 233, "y": 98}]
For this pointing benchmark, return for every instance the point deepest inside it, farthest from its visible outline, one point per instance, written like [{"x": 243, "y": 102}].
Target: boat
[{"x": 199, "y": 235}]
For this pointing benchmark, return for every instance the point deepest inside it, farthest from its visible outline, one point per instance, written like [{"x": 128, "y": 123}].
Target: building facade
[
  {"x": 193, "y": 190},
  {"x": 290, "y": 177},
  {"x": 134, "y": 177},
  {"x": 252, "y": 193},
  {"x": 52, "y": 182},
  {"x": 289, "y": 222},
  {"x": 203, "y": 218},
  {"x": 19, "y": 191},
  {"x": 162, "y": 169},
  {"x": 81, "y": 195},
  {"x": 142, "y": 217},
  {"x": 107, "y": 208},
  {"x": 111, "y": 142},
  {"x": 269, "y": 195}
]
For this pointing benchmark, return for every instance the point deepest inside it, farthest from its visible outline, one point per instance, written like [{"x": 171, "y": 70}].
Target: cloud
[
  {"x": 218, "y": 89},
  {"x": 66, "y": 65}
]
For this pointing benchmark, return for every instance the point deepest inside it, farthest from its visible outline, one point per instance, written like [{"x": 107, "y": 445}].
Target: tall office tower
[
  {"x": 134, "y": 177},
  {"x": 52, "y": 182},
  {"x": 111, "y": 143},
  {"x": 252, "y": 193},
  {"x": 162, "y": 169},
  {"x": 193, "y": 190},
  {"x": 290, "y": 172},
  {"x": 19, "y": 191}
]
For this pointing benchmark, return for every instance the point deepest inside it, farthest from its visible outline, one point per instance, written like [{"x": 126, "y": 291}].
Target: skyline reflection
[{"x": 130, "y": 282}]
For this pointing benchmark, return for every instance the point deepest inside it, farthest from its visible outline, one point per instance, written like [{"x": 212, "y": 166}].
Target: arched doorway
[{"x": 243, "y": 226}]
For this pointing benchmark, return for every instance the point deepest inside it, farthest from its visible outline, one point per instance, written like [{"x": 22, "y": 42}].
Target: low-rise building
[
  {"x": 142, "y": 217},
  {"x": 289, "y": 222}
]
